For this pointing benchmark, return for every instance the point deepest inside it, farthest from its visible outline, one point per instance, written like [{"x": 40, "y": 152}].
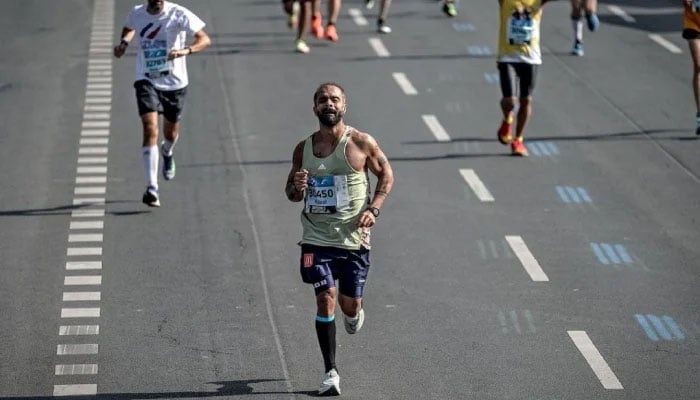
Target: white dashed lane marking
[
  {"x": 405, "y": 85},
  {"x": 378, "y": 47},
  {"x": 661, "y": 41},
  {"x": 621, "y": 13},
  {"x": 596, "y": 361},
  {"x": 476, "y": 185},
  {"x": 436, "y": 128},
  {"x": 357, "y": 17},
  {"x": 527, "y": 259}
]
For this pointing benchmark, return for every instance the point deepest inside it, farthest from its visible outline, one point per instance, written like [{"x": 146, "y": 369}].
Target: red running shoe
[
  {"x": 332, "y": 33},
  {"x": 518, "y": 148}
]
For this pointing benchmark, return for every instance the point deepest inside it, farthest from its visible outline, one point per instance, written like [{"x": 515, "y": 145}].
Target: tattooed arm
[
  {"x": 376, "y": 162},
  {"x": 297, "y": 178}
]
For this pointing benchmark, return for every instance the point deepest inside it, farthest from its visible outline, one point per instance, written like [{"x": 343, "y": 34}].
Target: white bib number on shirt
[
  {"x": 327, "y": 194},
  {"x": 156, "y": 62},
  {"x": 520, "y": 29}
]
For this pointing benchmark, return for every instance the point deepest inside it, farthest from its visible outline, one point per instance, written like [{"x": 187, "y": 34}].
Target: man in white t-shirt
[{"x": 161, "y": 80}]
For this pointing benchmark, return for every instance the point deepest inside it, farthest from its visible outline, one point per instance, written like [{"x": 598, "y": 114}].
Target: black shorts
[
  {"x": 170, "y": 103},
  {"x": 321, "y": 266},
  {"x": 526, "y": 74},
  {"x": 690, "y": 34}
]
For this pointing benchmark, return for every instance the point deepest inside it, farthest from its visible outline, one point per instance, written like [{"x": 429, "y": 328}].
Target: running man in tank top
[
  {"x": 330, "y": 174},
  {"x": 691, "y": 32}
]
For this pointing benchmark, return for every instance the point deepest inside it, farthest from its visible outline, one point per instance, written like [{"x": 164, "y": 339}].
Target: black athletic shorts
[
  {"x": 690, "y": 34},
  {"x": 526, "y": 74},
  {"x": 321, "y": 266},
  {"x": 170, "y": 103}
]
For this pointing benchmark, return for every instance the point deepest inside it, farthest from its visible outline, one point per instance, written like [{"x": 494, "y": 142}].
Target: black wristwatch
[{"x": 374, "y": 211}]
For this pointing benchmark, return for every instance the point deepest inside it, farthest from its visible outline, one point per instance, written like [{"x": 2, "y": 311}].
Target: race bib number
[
  {"x": 327, "y": 194},
  {"x": 520, "y": 29},
  {"x": 156, "y": 62}
]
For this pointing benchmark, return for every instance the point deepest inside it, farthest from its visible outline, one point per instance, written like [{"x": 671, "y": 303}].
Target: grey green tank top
[{"x": 336, "y": 196}]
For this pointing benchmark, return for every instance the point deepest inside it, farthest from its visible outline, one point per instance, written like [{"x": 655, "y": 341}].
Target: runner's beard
[
  {"x": 155, "y": 5},
  {"x": 330, "y": 120}
]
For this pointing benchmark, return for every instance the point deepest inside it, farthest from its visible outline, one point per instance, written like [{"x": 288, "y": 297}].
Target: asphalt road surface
[{"x": 570, "y": 274}]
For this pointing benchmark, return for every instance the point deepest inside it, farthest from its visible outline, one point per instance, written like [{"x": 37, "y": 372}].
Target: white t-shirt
[{"x": 157, "y": 35}]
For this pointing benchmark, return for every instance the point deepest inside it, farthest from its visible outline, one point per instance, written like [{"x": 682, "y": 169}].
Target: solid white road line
[
  {"x": 81, "y": 296},
  {"x": 93, "y": 160},
  {"x": 84, "y": 251},
  {"x": 82, "y": 180},
  {"x": 357, "y": 16},
  {"x": 665, "y": 43},
  {"x": 82, "y": 280},
  {"x": 595, "y": 360},
  {"x": 476, "y": 184},
  {"x": 86, "y": 225},
  {"x": 84, "y": 237},
  {"x": 78, "y": 330},
  {"x": 76, "y": 369},
  {"x": 88, "y": 201},
  {"x": 622, "y": 14},
  {"x": 94, "y": 141},
  {"x": 73, "y": 349},
  {"x": 527, "y": 259},
  {"x": 89, "y": 389},
  {"x": 436, "y": 128},
  {"x": 405, "y": 85},
  {"x": 83, "y": 265},
  {"x": 90, "y": 190},
  {"x": 92, "y": 170},
  {"x": 92, "y": 213},
  {"x": 92, "y": 150},
  {"x": 93, "y": 312},
  {"x": 94, "y": 132},
  {"x": 378, "y": 47}
]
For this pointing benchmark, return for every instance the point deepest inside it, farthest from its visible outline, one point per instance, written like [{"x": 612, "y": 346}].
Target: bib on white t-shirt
[{"x": 156, "y": 36}]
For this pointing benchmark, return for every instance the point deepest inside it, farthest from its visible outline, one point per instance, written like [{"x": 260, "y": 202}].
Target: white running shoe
[
  {"x": 302, "y": 47},
  {"x": 353, "y": 325},
  {"x": 330, "y": 385},
  {"x": 383, "y": 28}
]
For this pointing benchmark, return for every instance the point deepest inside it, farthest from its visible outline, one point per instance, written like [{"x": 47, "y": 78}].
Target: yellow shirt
[
  {"x": 519, "y": 33},
  {"x": 691, "y": 19}
]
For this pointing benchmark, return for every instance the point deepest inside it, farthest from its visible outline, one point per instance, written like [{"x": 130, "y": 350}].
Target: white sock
[
  {"x": 578, "y": 29},
  {"x": 168, "y": 146},
  {"x": 355, "y": 318},
  {"x": 150, "y": 163}
]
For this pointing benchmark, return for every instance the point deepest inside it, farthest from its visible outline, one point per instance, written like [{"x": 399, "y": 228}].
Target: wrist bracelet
[{"x": 125, "y": 43}]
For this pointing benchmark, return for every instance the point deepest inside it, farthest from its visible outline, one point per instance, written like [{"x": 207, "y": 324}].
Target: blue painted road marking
[
  {"x": 623, "y": 253},
  {"x": 569, "y": 194},
  {"x": 611, "y": 254},
  {"x": 599, "y": 253},
  {"x": 665, "y": 327},
  {"x": 479, "y": 50},
  {"x": 491, "y": 77},
  {"x": 539, "y": 149},
  {"x": 463, "y": 27}
]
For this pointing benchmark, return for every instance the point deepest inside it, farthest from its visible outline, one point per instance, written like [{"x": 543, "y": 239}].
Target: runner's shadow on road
[
  {"x": 68, "y": 209},
  {"x": 228, "y": 388},
  {"x": 654, "y": 134}
]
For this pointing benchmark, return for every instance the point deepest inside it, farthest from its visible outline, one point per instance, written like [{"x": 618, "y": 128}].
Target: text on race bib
[
  {"x": 155, "y": 57},
  {"x": 327, "y": 194},
  {"x": 521, "y": 26}
]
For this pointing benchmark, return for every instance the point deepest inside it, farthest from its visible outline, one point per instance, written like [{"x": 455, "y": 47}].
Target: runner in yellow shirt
[
  {"x": 691, "y": 32},
  {"x": 519, "y": 55}
]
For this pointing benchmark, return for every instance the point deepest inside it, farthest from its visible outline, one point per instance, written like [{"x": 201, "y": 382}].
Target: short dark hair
[{"x": 325, "y": 85}]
